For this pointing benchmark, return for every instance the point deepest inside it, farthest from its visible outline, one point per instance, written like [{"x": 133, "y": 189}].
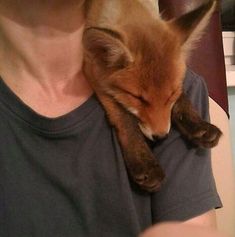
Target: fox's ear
[
  {"x": 106, "y": 47},
  {"x": 191, "y": 25}
]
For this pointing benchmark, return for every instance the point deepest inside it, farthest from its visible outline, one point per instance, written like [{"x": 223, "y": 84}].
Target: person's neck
[{"x": 41, "y": 47}]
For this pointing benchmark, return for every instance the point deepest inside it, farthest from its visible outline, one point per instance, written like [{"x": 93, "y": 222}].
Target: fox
[{"x": 135, "y": 61}]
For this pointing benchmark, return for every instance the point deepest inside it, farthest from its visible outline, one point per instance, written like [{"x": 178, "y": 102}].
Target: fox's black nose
[{"x": 160, "y": 137}]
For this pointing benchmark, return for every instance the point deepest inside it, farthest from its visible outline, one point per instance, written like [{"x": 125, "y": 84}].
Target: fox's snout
[{"x": 155, "y": 134}]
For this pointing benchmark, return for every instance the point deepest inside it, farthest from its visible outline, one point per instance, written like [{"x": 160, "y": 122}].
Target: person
[
  {"x": 170, "y": 229},
  {"x": 61, "y": 167}
]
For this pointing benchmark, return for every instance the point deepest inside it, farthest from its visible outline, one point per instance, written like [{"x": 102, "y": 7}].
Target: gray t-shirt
[{"x": 65, "y": 177}]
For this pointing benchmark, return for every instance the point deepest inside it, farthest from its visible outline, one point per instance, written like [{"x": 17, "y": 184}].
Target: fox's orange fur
[{"x": 136, "y": 64}]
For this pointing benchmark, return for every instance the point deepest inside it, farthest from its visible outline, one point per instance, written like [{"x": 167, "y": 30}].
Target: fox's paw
[
  {"x": 151, "y": 180},
  {"x": 149, "y": 176},
  {"x": 206, "y": 135}
]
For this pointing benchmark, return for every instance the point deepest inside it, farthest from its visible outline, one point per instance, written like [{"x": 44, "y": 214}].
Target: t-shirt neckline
[{"x": 38, "y": 121}]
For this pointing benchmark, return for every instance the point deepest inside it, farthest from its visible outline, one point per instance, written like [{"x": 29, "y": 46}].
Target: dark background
[{"x": 228, "y": 15}]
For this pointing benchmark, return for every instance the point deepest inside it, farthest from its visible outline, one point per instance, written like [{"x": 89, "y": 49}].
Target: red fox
[{"x": 136, "y": 63}]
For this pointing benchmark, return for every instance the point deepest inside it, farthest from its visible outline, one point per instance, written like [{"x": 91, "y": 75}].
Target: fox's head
[{"x": 142, "y": 66}]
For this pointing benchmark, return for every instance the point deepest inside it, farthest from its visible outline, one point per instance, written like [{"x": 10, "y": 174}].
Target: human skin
[
  {"x": 41, "y": 49},
  {"x": 180, "y": 230}
]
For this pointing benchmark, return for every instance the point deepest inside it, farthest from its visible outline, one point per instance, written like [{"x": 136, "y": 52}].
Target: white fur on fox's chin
[
  {"x": 133, "y": 111},
  {"x": 146, "y": 131}
]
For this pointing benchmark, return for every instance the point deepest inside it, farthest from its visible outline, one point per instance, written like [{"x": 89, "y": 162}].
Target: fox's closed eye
[
  {"x": 133, "y": 94},
  {"x": 141, "y": 98}
]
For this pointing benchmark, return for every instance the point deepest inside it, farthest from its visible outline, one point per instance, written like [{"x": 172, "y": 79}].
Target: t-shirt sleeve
[{"x": 189, "y": 189}]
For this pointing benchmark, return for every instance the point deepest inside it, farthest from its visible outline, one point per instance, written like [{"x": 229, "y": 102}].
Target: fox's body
[
  {"x": 153, "y": 51},
  {"x": 136, "y": 64}
]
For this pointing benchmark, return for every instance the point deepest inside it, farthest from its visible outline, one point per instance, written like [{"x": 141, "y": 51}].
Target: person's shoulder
[{"x": 193, "y": 81}]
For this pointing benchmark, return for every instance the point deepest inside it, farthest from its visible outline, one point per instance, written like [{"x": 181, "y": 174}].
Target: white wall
[{"x": 231, "y": 97}]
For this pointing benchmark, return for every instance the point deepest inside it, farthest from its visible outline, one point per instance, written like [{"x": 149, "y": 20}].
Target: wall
[{"x": 231, "y": 97}]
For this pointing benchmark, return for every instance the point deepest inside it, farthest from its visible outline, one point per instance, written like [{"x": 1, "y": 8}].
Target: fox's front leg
[
  {"x": 192, "y": 126},
  {"x": 141, "y": 164}
]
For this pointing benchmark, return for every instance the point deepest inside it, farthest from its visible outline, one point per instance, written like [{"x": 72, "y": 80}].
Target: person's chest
[{"x": 67, "y": 184}]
